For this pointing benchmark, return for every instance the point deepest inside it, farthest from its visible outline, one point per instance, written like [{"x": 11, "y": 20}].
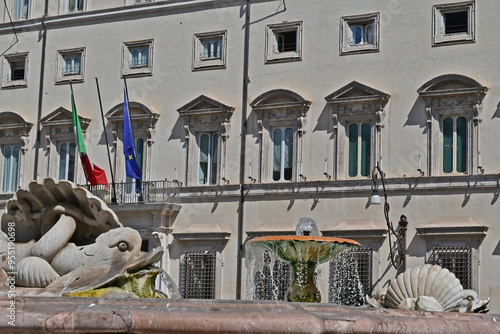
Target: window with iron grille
[
  {"x": 198, "y": 274},
  {"x": 457, "y": 260},
  {"x": 272, "y": 284},
  {"x": 351, "y": 277}
]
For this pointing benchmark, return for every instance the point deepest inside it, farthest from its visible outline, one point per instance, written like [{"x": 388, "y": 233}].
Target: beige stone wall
[{"x": 406, "y": 60}]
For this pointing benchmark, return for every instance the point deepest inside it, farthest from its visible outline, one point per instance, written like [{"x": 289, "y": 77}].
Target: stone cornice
[
  {"x": 116, "y": 13},
  {"x": 340, "y": 188}
]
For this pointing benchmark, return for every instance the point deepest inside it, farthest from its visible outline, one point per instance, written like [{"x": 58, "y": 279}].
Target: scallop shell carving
[{"x": 435, "y": 284}]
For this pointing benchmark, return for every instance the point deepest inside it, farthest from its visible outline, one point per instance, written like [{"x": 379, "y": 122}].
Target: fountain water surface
[{"x": 303, "y": 253}]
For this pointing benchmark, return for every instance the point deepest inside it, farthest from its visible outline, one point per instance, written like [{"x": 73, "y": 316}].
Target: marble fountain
[{"x": 53, "y": 285}]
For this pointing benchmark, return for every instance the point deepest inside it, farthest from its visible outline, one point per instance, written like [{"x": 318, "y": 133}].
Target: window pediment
[
  {"x": 141, "y": 115},
  {"x": 205, "y": 110},
  {"x": 356, "y": 98},
  {"x": 63, "y": 117},
  {"x": 13, "y": 126},
  {"x": 450, "y": 85},
  {"x": 280, "y": 99}
]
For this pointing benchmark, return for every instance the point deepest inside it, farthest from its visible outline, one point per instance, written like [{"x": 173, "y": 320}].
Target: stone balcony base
[{"x": 89, "y": 315}]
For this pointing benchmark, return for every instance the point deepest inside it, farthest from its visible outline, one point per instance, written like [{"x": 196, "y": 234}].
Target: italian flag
[{"x": 94, "y": 174}]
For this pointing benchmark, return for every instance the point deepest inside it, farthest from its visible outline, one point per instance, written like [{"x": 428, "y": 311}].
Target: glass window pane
[
  {"x": 62, "y": 161},
  {"x": 144, "y": 57},
  {"x": 203, "y": 158},
  {"x": 461, "y": 144},
  {"x": 71, "y": 6},
  {"x": 71, "y": 162},
  {"x": 277, "y": 155},
  {"x": 135, "y": 58},
  {"x": 76, "y": 67},
  {"x": 206, "y": 50},
  {"x": 448, "y": 145},
  {"x": 213, "y": 168},
  {"x": 80, "y": 5},
  {"x": 288, "y": 158},
  {"x": 353, "y": 150},
  {"x": 365, "y": 149},
  {"x": 369, "y": 33}
]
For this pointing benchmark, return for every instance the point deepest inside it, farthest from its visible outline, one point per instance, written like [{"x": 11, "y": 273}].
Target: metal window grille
[
  {"x": 457, "y": 260},
  {"x": 198, "y": 276},
  {"x": 350, "y": 277},
  {"x": 272, "y": 285}
]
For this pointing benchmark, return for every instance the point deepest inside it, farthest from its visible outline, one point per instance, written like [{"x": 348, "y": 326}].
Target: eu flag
[{"x": 131, "y": 167}]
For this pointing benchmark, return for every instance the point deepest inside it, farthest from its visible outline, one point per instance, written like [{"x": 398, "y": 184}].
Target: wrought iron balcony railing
[{"x": 147, "y": 192}]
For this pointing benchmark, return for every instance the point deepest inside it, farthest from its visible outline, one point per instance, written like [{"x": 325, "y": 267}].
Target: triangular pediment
[
  {"x": 204, "y": 105},
  {"x": 452, "y": 84},
  {"x": 62, "y": 116},
  {"x": 357, "y": 92},
  {"x": 279, "y": 98}
]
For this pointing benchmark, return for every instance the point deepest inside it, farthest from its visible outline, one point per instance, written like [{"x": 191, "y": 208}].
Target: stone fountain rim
[{"x": 304, "y": 238}]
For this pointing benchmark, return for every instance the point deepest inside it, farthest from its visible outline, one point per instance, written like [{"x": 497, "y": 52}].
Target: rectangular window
[
  {"x": 284, "y": 42},
  {"x": 457, "y": 260},
  {"x": 15, "y": 73},
  {"x": 70, "y": 65},
  {"x": 282, "y": 154},
  {"x": 75, "y": 6},
  {"x": 10, "y": 173},
  {"x": 20, "y": 10},
  {"x": 454, "y": 23},
  {"x": 351, "y": 277},
  {"x": 67, "y": 161},
  {"x": 198, "y": 274},
  {"x": 359, "y": 149},
  {"x": 209, "y": 50},
  {"x": 138, "y": 58},
  {"x": 359, "y": 33},
  {"x": 455, "y": 144},
  {"x": 208, "y": 158}
]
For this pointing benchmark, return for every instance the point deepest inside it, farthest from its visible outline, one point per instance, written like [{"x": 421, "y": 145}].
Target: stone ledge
[{"x": 89, "y": 315}]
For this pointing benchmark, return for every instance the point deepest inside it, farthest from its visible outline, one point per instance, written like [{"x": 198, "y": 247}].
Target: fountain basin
[
  {"x": 301, "y": 248},
  {"x": 303, "y": 253}
]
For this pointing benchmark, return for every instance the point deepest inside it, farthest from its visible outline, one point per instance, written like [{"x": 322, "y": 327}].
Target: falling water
[
  {"x": 171, "y": 287},
  {"x": 345, "y": 286}
]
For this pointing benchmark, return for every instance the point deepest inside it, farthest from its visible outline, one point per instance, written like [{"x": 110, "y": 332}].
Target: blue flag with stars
[{"x": 131, "y": 167}]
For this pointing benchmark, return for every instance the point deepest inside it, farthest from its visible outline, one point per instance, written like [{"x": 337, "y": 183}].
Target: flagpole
[
  {"x": 76, "y": 138},
  {"x": 113, "y": 199},
  {"x": 138, "y": 182}
]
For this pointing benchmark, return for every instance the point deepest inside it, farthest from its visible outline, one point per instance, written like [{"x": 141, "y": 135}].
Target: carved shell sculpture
[
  {"x": 431, "y": 288},
  {"x": 44, "y": 219}
]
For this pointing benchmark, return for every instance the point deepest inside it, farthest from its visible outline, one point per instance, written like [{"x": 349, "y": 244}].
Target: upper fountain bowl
[{"x": 299, "y": 248}]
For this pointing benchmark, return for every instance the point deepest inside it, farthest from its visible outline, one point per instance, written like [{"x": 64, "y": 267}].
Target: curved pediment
[
  {"x": 204, "y": 105},
  {"x": 355, "y": 92},
  {"x": 279, "y": 98},
  {"x": 138, "y": 112},
  {"x": 10, "y": 119},
  {"x": 13, "y": 125},
  {"x": 452, "y": 84}
]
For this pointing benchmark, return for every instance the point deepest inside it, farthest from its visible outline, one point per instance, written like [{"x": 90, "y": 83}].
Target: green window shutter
[
  {"x": 277, "y": 155},
  {"x": 7, "y": 161},
  {"x": 448, "y": 145},
  {"x": 14, "y": 170},
  {"x": 461, "y": 144},
  {"x": 353, "y": 150},
  {"x": 365, "y": 149},
  {"x": 288, "y": 154},
  {"x": 140, "y": 152},
  {"x": 203, "y": 159},
  {"x": 213, "y": 167}
]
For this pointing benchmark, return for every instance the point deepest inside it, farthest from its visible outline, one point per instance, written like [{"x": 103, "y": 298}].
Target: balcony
[{"x": 149, "y": 192}]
